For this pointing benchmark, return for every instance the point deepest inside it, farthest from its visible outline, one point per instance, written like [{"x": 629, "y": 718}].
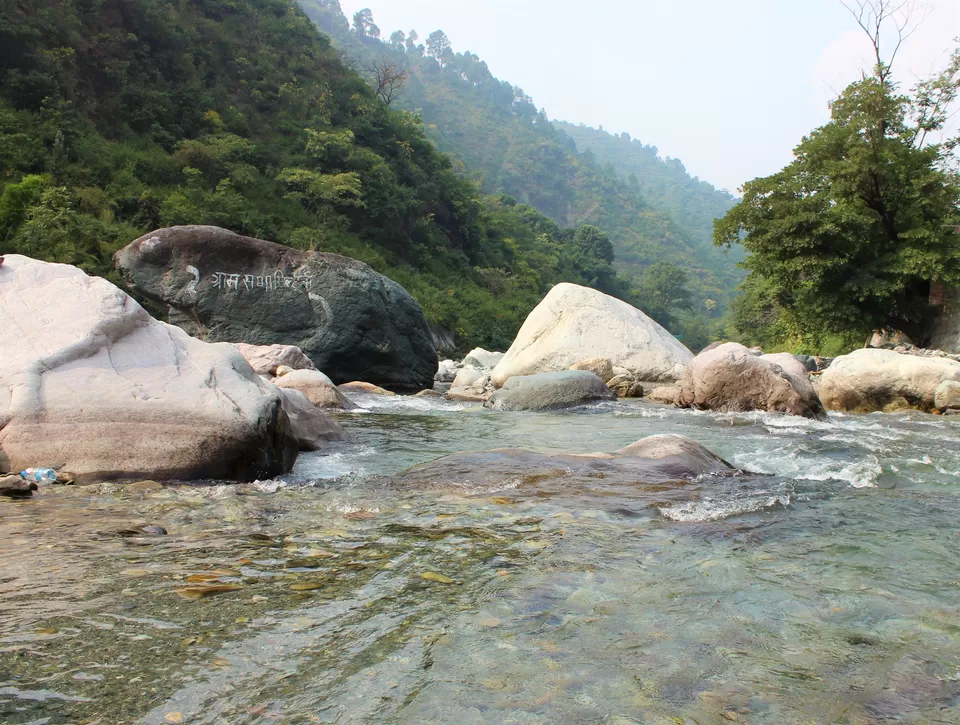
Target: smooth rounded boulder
[
  {"x": 352, "y": 322},
  {"x": 730, "y": 378},
  {"x": 90, "y": 383},
  {"x": 550, "y": 391},
  {"x": 947, "y": 395},
  {"x": 574, "y": 323},
  {"x": 268, "y": 359},
  {"x": 318, "y": 388},
  {"x": 870, "y": 380}
]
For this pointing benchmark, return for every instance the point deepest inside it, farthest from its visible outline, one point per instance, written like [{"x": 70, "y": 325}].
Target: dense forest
[
  {"x": 503, "y": 141},
  {"x": 120, "y": 116}
]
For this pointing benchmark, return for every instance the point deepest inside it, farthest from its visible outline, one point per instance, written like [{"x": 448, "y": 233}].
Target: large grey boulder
[
  {"x": 353, "y": 323},
  {"x": 550, "y": 391},
  {"x": 574, "y": 323},
  {"x": 656, "y": 460},
  {"x": 871, "y": 380},
  {"x": 308, "y": 424},
  {"x": 731, "y": 378},
  {"x": 89, "y": 382}
]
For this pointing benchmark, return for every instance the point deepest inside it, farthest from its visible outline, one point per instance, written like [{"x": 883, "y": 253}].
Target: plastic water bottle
[{"x": 39, "y": 475}]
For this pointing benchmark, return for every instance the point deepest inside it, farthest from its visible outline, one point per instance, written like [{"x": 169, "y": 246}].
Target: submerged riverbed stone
[
  {"x": 731, "y": 378},
  {"x": 90, "y": 383},
  {"x": 352, "y": 322},
  {"x": 550, "y": 391},
  {"x": 574, "y": 323},
  {"x": 871, "y": 380},
  {"x": 656, "y": 459}
]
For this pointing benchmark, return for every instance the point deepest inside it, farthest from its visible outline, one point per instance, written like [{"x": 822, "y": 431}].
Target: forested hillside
[
  {"x": 664, "y": 183},
  {"x": 120, "y": 116},
  {"x": 509, "y": 146}
]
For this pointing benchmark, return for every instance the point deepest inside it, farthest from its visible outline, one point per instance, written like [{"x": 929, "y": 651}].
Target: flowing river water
[{"x": 826, "y": 591}]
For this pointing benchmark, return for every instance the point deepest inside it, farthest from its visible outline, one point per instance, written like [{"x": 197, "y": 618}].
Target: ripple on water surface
[{"x": 823, "y": 590}]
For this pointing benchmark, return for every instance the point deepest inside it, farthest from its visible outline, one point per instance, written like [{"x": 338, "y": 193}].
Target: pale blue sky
[{"x": 729, "y": 88}]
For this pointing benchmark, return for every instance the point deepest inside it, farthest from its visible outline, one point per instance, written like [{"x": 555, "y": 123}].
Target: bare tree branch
[
  {"x": 873, "y": 15},
  {"x": 388, "y": 79}
]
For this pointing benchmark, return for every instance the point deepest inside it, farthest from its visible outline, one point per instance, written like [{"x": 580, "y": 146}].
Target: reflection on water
[{"x": 826, "y": 591}]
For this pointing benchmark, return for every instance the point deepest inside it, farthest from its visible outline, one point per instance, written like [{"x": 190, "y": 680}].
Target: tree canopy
[{"x": 850, "y": 235}]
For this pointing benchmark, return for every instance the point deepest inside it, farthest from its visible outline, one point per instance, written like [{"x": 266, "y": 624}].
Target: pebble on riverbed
[{"x": 14, "y": 486}]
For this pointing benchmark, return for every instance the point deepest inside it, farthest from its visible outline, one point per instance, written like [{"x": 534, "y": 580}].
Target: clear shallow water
[{"x": 825, "y": 592}]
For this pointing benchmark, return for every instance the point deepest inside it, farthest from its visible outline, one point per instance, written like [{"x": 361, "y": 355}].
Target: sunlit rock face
[
  {"x": 574, "y": 323},
  {"x": 869, "y": 380},
  {"x": 91, "y": 384},
  {"x": 730, "y": 378}
]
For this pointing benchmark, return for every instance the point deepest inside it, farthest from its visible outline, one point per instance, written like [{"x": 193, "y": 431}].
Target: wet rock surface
[
  {"x": 550, "y": 391},
  {"x": 656, "y": 459}
]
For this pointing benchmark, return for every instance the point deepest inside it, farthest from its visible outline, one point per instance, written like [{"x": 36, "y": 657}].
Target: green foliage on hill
[
  {"x": 120, "y": 116},
  {"x": 850, "y": 235},
  {"x": 509, "y": 146}
]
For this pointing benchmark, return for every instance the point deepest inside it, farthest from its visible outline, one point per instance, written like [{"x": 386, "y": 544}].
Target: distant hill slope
[
  {"x": 664, "y": 183},
  {"x": 511, "y": 147},
  {"x": 122, "y": 116}
]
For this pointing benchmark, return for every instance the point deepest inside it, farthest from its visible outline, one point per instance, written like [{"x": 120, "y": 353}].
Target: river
[{"x": 825, "y": 591}]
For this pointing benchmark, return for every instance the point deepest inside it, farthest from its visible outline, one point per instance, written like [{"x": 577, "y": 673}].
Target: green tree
[
  {"x": 363, "y": 23},
  {"x": 437, "y": 44},
  {"x": 663, "y": 293},
  {"x": 849, "y": 236}
]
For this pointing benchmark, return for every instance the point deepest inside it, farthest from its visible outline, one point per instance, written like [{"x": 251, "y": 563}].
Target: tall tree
[
  {"x": 850, "y": 235},
  {"x": 363, "y": 23},
  {"x": 437, "y": 44}
]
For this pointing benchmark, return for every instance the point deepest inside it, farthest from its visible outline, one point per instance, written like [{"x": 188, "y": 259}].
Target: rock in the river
[
  {"x": 89, "y": 382},
  {"x": 309, "y": 425},
  {"x": 573, "y": 323},
  {"x": 599, "y": 366},
  {"x": 657, "y": 459},
  {"x": 481, "y": 359},
  {"x": 357, "y": 386},
  {"x": 353, "y": 323},
  {"x": 446, "y": 372},
  {"x": 267, "y": 359},
  {"x": 665, "y": 394},
  {"x": 625, "y": 386},
  {"x": 550, "y": 391},
  {"x": 947, "y": 395},
  {"x": 870, "y": 380},
  {"x": 731, "y": 378},
  {"x": 471, "y": 386},
  {"x": 318, "y": 388},
  {"x": 13, "y": 486}
]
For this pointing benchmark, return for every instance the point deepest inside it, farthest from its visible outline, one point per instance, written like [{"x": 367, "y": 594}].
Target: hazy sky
[{"x": 728, "y": 87}]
